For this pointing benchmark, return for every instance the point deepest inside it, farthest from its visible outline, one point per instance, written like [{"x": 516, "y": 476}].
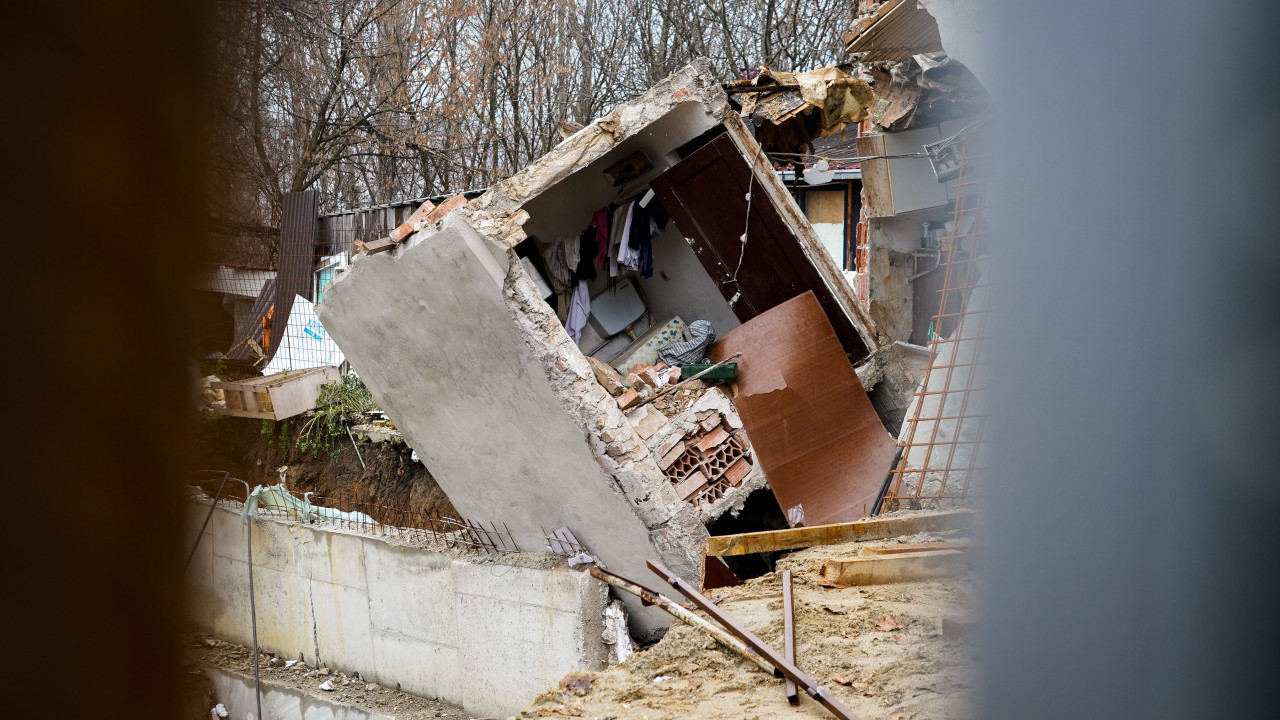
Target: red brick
[
  {"x": 710, "y": 423},
  {"x": 650, "y": 376},
  {"x": 446, "y": 207},
  {"x": 671, "y": 455},
  {"x": 628, "y": 398},
  {"x": 737, "y": 471},
  {"x": 691, "y": 485},
  {"x": 713, "y": 439}
]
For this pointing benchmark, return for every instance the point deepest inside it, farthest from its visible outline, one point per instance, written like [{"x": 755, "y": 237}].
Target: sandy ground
[
  {"x": 207, "y": 651},
  {"x": 908, "y": 673}
]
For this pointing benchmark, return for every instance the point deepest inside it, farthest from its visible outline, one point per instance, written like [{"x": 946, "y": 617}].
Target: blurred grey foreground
[{"x": 1134, "y": 492}]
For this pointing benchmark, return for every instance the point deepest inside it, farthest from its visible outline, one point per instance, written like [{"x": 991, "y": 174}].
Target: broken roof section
[
  {"x": 896, "y": 31},
  {"x": 791, "y": 110}
]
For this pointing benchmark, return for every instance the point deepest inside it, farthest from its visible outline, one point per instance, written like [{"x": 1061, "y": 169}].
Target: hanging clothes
[
  {"x": 560, "y": 277},
  {"x": 579, "y": 310},
  {"x": 589, "y": 247},
  {"x": 616, "y": 232},
  {"x": 640, "y": 242},
  {"x": 572, "y": 254},
  {"x": 557, "y": 266},
  {"x": 629, "y": 245},
  {"x": 600, "y": 224}
]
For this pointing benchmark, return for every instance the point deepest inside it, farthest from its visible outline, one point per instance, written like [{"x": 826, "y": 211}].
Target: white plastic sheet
[{"x": 304, "y": 343}]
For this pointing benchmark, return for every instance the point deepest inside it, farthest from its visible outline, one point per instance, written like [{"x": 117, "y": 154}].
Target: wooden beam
[
  {"x": 789, "y": 635},
  {"x": 884, "y": 569},
  {"x": 963, "y": 545},
  {"x": 873, "y": 529}
]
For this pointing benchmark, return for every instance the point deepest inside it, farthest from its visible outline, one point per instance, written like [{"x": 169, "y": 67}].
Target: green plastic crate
[{"x": 728, "y": 371}]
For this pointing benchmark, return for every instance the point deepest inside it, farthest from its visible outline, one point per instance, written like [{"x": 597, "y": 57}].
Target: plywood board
[{"x": 814, "y": 431}]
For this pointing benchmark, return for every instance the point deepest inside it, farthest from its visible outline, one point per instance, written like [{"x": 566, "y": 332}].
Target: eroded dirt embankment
[{"x": 255, "y": 451}]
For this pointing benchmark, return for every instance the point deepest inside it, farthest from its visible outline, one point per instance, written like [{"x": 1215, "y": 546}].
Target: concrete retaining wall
[
  {"x": 235, "y": 691},
  {"x": 486, "y": 634}
]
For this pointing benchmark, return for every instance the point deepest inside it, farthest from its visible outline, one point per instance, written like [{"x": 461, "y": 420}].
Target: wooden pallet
[{"x": 275, "y": 397}]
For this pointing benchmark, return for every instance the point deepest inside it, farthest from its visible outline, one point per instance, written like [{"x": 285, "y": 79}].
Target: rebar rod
[
  {"x": 686, "y": 616},
  {"x": 212, "y": 506},
  {"x": 816, "y": 691}
]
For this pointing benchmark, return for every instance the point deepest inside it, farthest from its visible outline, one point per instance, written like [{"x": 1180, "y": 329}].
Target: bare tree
[{"x": 374, "y": 100}]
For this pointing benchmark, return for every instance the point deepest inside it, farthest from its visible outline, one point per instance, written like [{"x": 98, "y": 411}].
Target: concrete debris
[
  {"x": 219, "y": 711},
  {"x": 328, "y": 686}
]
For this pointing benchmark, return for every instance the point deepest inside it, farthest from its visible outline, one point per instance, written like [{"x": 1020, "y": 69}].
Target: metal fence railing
[{"x": 349, "y": 513}]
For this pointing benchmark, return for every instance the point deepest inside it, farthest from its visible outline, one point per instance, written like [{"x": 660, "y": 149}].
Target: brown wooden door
[{"x": 706, "y": 197}]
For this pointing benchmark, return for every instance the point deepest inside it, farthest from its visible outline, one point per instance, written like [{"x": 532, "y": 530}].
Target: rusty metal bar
[
  {"x": 674, "y": 609},
  {"x": 789, "y": 634},
  {"x": 963, "y": 273},
  {"x": 816, "y": 691},
  {"x": 212, "y": 506}
]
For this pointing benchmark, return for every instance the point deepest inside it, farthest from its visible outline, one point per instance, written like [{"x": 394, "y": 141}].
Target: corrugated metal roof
[
  {"x": 299, "y": 225},
  {"x": 900, "y": 29}
]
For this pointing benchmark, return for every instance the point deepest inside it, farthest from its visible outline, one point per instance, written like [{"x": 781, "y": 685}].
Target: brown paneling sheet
[
  {"x": 706, "y": 196},
  {"x": 815, "y": 433}
]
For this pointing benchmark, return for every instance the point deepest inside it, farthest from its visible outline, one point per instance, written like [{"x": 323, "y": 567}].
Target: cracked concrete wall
[
  {"x": 455, "y": 343},
  {"x": 488, "y": 633}
]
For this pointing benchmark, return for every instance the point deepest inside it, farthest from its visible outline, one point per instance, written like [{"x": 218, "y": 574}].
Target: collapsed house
[
  {"x": 453, "y": 332},
  {"x": 538, "y": 346}
]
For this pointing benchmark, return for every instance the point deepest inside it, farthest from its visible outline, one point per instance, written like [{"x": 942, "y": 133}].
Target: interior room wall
[{"x": 681, "y": 286}]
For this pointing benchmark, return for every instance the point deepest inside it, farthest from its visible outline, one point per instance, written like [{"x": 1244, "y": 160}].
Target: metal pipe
[
  {"x": 787, "y": 667},
  {"x": 212, "y": 506},
  {"x": 675, "y": 610}
]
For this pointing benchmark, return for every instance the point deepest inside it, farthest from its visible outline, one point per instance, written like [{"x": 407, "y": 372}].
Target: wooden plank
[
  {"x": 883, "y": 570},
  {"x": 246, "y": 414},
  {"x": 373, "y": 247},
  {"x": 873, "y": 529},
  {"x": 789, "y": 635},
  {"x": 962, "y": 545}
]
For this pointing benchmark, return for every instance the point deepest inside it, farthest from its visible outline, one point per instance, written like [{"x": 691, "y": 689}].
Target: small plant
[{"x": 338, "y": 401}]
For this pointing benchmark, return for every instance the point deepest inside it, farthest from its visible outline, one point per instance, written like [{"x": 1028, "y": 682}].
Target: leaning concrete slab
[{"x": 457, "y": 346}]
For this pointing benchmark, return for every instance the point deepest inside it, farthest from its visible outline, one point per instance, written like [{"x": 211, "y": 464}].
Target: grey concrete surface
[{"x": 486, "y": 633}]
